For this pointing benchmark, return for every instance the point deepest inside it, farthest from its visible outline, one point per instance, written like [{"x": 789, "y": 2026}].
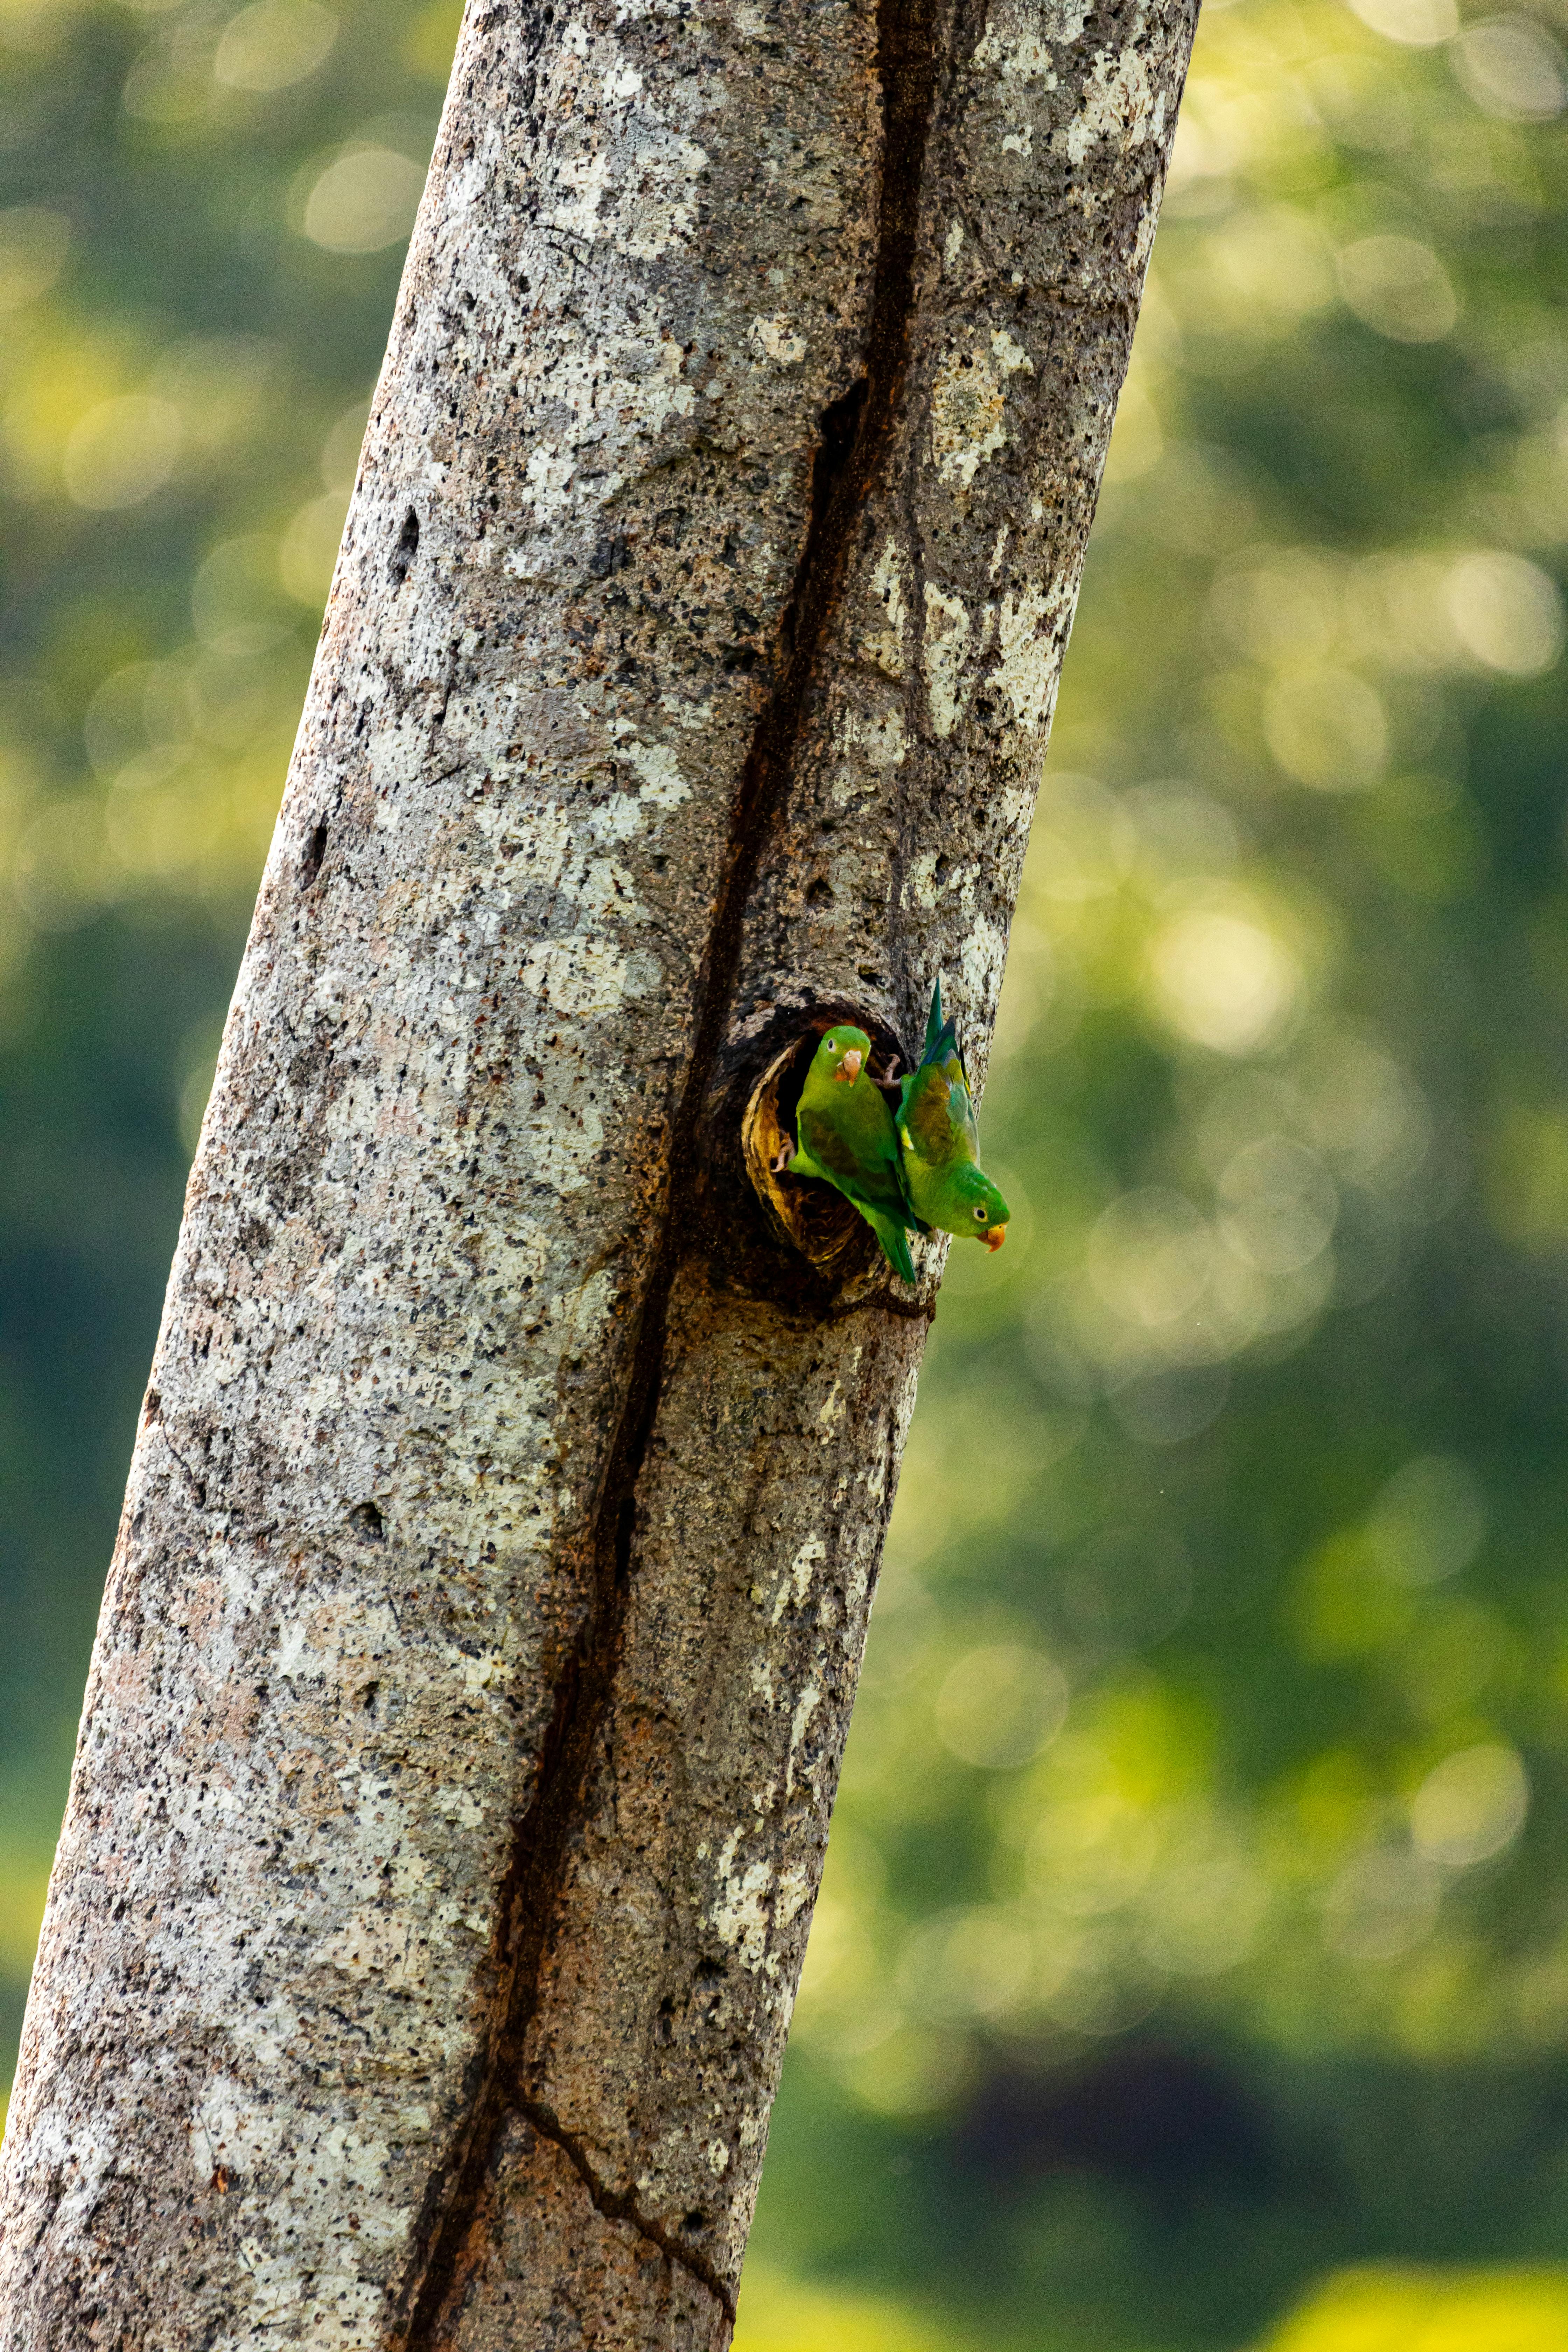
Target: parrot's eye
[{"x": 980, "y": 1216}]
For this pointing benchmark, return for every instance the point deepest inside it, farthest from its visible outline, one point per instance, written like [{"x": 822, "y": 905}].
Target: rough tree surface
[{"x": 477, "y": 1659}]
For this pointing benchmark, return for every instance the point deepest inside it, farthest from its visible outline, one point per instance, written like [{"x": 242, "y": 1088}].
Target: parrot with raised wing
[
  {"x": 944, "y": 1180},
  {"x": 847, "y": 1139}
]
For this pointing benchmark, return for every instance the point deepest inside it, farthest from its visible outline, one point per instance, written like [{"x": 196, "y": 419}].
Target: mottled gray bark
[{"x": 474, "y": 1669}]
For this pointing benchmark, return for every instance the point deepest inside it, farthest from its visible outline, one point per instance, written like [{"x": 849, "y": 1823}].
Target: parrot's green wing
[
  {"x": 936, "y": 1117},
  {"x": 864, "y": 1166},
  {"x": 931, "y": 1120},
  {"x": 872, "y": 1185}
]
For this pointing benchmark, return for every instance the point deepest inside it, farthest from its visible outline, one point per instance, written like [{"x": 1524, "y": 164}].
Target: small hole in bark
[
  {"x": 694, "y": 2221},
  {"x": 611, "y": 555},
  {"x": 367, "y": 1523},
  {"x": 401, "y": 561},
  {"x": 820, "y": 893},
  {"x": 315, "y": 851},
  {"x": 840, "y": 422}
]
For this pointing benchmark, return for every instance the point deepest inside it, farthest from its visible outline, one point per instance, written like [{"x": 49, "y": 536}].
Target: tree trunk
[{"x": 473, "y": 1674}]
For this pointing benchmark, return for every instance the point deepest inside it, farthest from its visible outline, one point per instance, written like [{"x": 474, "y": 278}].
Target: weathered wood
[{"x": 481, "y": 1637}]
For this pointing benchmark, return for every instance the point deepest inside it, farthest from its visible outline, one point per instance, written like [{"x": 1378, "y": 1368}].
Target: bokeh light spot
[
  {"x": 363, "y": 201},
  {"x": 34, "y": 242},
  {"x": 1001, "y": 1705},
  {"x": 1429, "y": 1521},
  {"x": 1470, "y": 1808},
  {"x": 1418, "y": 24},
  {"x": 1507, "y": 614},
  {"x": 121, "y": 451},
  {"x": 1220, "y": 978},
  {"x": 1327, "y": 729},
  {"x": 1512, "y": 68},
  {"x": 273, "y": 43},
  {"x": 1380, "y": 1905},
  {"x": 1397, "y": 286}
]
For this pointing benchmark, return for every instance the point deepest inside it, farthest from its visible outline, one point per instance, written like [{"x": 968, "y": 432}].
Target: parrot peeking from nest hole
[
  {"x": 847, "y": 1139},
  {"x": 912, "y": 1170}
]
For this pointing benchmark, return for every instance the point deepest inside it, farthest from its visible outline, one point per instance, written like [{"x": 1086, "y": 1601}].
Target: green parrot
[
  {"x": 944, "y": 1180},
  {"x": 847, "y": 1139}
]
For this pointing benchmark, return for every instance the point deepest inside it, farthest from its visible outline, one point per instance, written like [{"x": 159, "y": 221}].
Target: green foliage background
[{"x": 1197, "y": 1914}]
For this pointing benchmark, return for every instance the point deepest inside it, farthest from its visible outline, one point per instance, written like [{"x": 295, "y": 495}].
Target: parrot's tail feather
[
  {"x": 943, "y": 1048},
  {"x": 895, "y": 1248},
  {"x": 933, "y": 1019}
]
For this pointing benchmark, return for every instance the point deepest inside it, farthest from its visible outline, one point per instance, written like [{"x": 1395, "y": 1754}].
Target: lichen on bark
[{"x": 504, "y": 1520}]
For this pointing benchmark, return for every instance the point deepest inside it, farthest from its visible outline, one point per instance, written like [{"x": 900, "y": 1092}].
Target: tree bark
[{"x": 480, "y": 1645}]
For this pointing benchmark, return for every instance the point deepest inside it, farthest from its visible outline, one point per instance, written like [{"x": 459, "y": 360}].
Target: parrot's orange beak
[
  {"x": 849, "y": 1067},
  {"x": 995, "y": 1238}
]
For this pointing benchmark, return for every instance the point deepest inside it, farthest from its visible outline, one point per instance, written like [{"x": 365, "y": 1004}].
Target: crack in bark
[
  {"x": 856, "y": 431},
  {"x": 908, "y": 1310},
  {"x": 619, "y": 2206},
  {"x": 198, "y": 1486}
]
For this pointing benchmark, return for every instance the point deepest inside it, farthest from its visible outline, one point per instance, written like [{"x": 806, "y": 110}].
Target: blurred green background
[{"x": 1191, "y": 1971}]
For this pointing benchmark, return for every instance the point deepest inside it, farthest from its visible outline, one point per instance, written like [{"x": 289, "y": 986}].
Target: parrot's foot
[{"x": 781, "y": 1157}]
